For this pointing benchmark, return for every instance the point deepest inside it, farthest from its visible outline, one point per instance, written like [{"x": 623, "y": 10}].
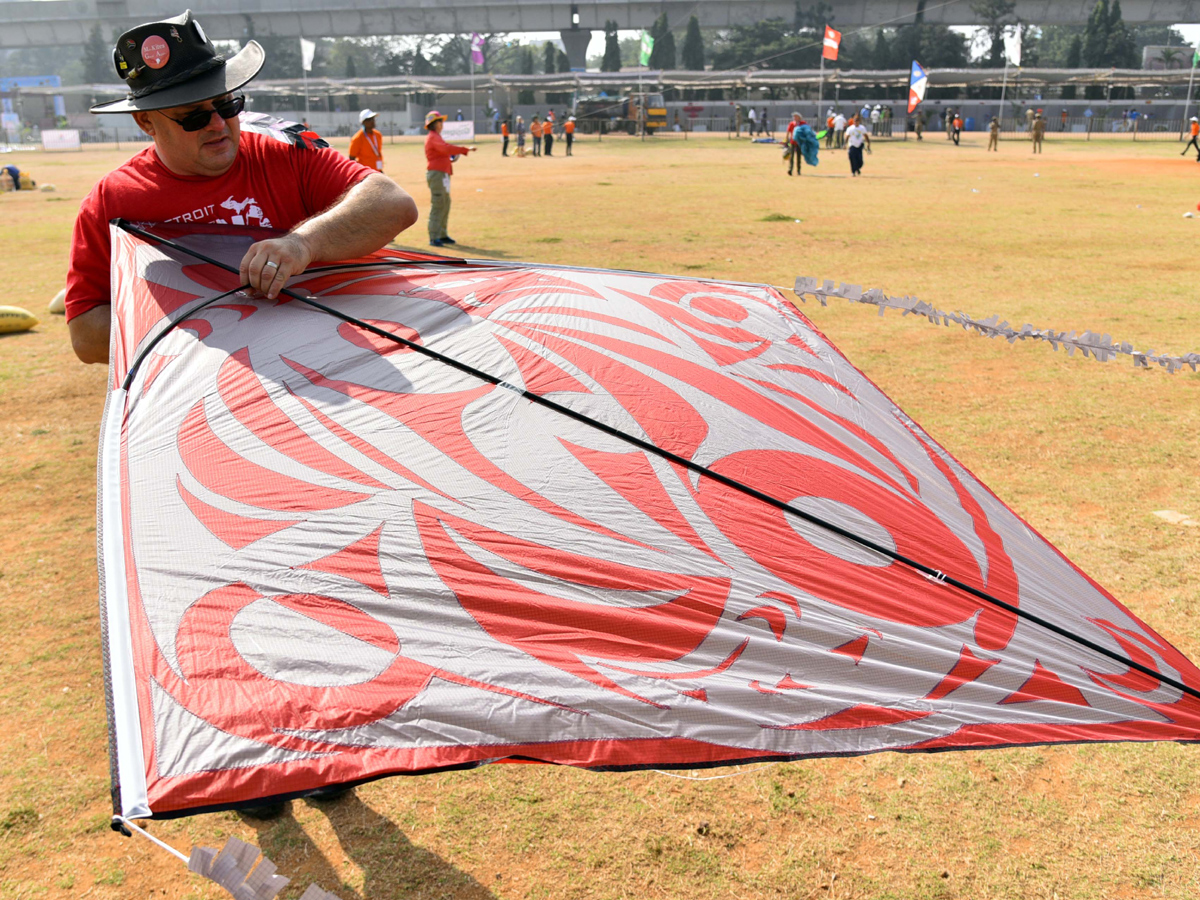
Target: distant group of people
[
  {"x": 541, "y": 134},
  {"x": 801, "y": 143}
]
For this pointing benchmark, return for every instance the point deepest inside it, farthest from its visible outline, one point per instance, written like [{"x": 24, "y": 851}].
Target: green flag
[
  {"x": 1195, "y": 58},
  {"x": 647, "y": 48}
]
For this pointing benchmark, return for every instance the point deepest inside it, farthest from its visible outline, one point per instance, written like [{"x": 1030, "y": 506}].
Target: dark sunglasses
[{"x": 199, "y": 118}]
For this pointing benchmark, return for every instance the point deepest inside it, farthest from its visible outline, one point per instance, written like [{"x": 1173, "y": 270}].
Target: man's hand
[{"x": 268, "y": 265}]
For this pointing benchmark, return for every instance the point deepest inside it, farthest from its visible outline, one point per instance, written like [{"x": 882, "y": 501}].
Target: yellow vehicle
[
  {"x": 652, "y": 107},
  {"x": 627, "y": 113}
]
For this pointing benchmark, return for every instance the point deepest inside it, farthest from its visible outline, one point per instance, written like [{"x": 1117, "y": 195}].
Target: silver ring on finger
[{"x": 271, "y": 265}]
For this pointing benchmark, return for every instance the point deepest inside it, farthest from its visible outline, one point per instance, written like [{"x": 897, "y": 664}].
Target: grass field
[{"x": 1085, "y": 236}]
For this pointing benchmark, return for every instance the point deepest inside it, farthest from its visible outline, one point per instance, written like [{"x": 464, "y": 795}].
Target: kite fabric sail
[{"x": 670, "y": 526}]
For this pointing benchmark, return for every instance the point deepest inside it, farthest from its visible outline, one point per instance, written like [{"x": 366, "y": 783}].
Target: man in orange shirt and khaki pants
[
  {"x": 366, "y": 146},
  {"x": 569, "y": 131}
]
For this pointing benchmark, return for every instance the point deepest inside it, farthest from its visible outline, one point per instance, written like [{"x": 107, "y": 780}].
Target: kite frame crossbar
[{"x": 929, "y": 572}]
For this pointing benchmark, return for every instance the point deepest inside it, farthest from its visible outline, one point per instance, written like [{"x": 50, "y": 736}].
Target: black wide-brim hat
[{"x": 173, "y": 63}]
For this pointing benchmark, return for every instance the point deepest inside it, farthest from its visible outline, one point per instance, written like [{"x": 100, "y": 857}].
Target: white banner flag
[
  {"x": 1012, "y": 45},
  {"x": 308, "y": 50}
]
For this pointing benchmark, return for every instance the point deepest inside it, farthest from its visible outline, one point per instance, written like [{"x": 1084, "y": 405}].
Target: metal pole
[
  {"x": 472, "y": 91},
  {"x": 1003, "y": 89},
  {"x": 1186, "y": 106},
  {"x": 821, "y": 87}
]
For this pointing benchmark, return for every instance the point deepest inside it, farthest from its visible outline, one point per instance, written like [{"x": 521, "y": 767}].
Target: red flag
[{"x": 833, "y": 40}]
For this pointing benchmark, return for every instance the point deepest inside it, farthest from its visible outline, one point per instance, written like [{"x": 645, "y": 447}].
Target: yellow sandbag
[{"x": 13, "y": 318}]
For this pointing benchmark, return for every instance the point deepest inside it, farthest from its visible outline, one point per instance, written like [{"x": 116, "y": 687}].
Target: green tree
[
  {"x": 549, "y": 58},
  {"x": 564, "y": 62},
  {"x": 996, "y": 16},
  {"x": 98, "y": 59},
  {"x": 693, "y": 46},
  {"x": 1074, "y": 55},
  {"x": 881, "y": 55},
  {"x": 612, "y": 48},
  {"x": 1119, "y": 48},
  {"x": 526, "y": 97},
  {"x": 663, "y": 54},
  {"x": 351, "y": 67},
  {"x": 1095, "y": 36},
  {"x": 771, "y": 43}
]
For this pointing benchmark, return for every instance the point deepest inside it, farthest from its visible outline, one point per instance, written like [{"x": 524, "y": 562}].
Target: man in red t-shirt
[{"x": 203, "y": 168}]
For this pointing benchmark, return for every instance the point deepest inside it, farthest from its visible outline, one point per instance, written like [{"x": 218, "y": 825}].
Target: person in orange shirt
[
  {"x": 828, "y": 130},
  {"x": 366, "y": 146},
  {"x": 1192, "y": 143},
  {"x": 569, "y": 131},
  {"x": 438, "y": 158},
  {"x": 535, "y": 133},
  {"x": 548, "y": 132},
  {"x": 504, "y": 132},
  {"x": 958, "y": 124}
]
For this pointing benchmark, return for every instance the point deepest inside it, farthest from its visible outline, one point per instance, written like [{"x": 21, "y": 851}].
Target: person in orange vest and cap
[
  {"x": 569, "y": 131},
  {"x": 366, "y": 146},
  {"x": 439, "y": 157},
  {"x": 1192, "y": 143}
]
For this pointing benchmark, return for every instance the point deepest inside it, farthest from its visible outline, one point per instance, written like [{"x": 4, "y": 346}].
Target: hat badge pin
[{"x": 155, "y": 52}]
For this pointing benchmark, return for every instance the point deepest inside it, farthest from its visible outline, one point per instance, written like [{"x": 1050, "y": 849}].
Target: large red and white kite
[{"x": 669, "y": 525}]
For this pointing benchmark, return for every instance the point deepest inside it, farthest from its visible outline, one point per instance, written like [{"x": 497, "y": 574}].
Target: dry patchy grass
[{"x": 1086, "y": 236}]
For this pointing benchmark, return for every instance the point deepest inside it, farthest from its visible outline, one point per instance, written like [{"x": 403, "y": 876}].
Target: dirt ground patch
[{"x": 1088, "y": 235}]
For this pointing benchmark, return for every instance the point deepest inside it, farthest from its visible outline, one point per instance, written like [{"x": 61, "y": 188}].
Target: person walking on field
[
  {"x": 504, "y": 134},
  {"x": 919, "y": 127},
  {"x": 366, "y": 146},
  {"x": 548, "y": 133},
  {"x": 438, "y": 157},
  {"x": 958, "y": 125},
  {"x": 994, "y": 135},
  {"x": 569, "y": 133},
  {"x": 949, "y": 124},
  {"x": 839, "y": 129},
  {"x": 829, "y": 129},
  {"x": 521, "y": 137},
  {"x": 535, "y": 135},
  {"x": 1192, "y": 143},
  {"x": 1039, "y": 132},
  {"x": 856, "y": 136}
]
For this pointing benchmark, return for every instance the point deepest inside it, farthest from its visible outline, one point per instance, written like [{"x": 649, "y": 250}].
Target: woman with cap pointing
[{"x": 438, "y": 158}]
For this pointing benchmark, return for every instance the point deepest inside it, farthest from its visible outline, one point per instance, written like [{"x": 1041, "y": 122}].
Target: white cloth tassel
[
  {"x": 233, "y": 868},
  {"x": 1093, "y": 346}
]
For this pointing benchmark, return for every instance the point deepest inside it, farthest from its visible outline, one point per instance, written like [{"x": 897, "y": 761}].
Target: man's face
[
  {"x": 207, "y": 152},
  {"x": 369, "y": 124}
]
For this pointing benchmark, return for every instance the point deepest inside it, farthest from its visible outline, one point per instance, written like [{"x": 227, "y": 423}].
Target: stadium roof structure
[{"x": 597, "y": 81}]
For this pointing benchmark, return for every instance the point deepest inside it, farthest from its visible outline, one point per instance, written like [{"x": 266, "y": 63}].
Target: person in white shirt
[
  {"x": 875, "y": 116},
  {"x": 753, "y": 117},
  {"x": 839, "y": 127},
  {"x": 856, "y": 136}
]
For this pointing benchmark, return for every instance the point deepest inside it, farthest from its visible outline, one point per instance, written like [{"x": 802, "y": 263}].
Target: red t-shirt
[{"x": 270, "y": 184}]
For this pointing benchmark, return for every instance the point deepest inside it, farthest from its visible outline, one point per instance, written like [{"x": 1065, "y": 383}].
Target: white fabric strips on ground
[{"x": 1100, "y": 346}]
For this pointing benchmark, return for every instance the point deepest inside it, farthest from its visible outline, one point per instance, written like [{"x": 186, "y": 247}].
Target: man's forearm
[
  {"x": 89, "y": 334},
  {"x": 370, "y": 214}
]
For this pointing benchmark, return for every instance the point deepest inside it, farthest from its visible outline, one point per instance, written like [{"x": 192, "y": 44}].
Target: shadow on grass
[{"x": 391, "y": 864}]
